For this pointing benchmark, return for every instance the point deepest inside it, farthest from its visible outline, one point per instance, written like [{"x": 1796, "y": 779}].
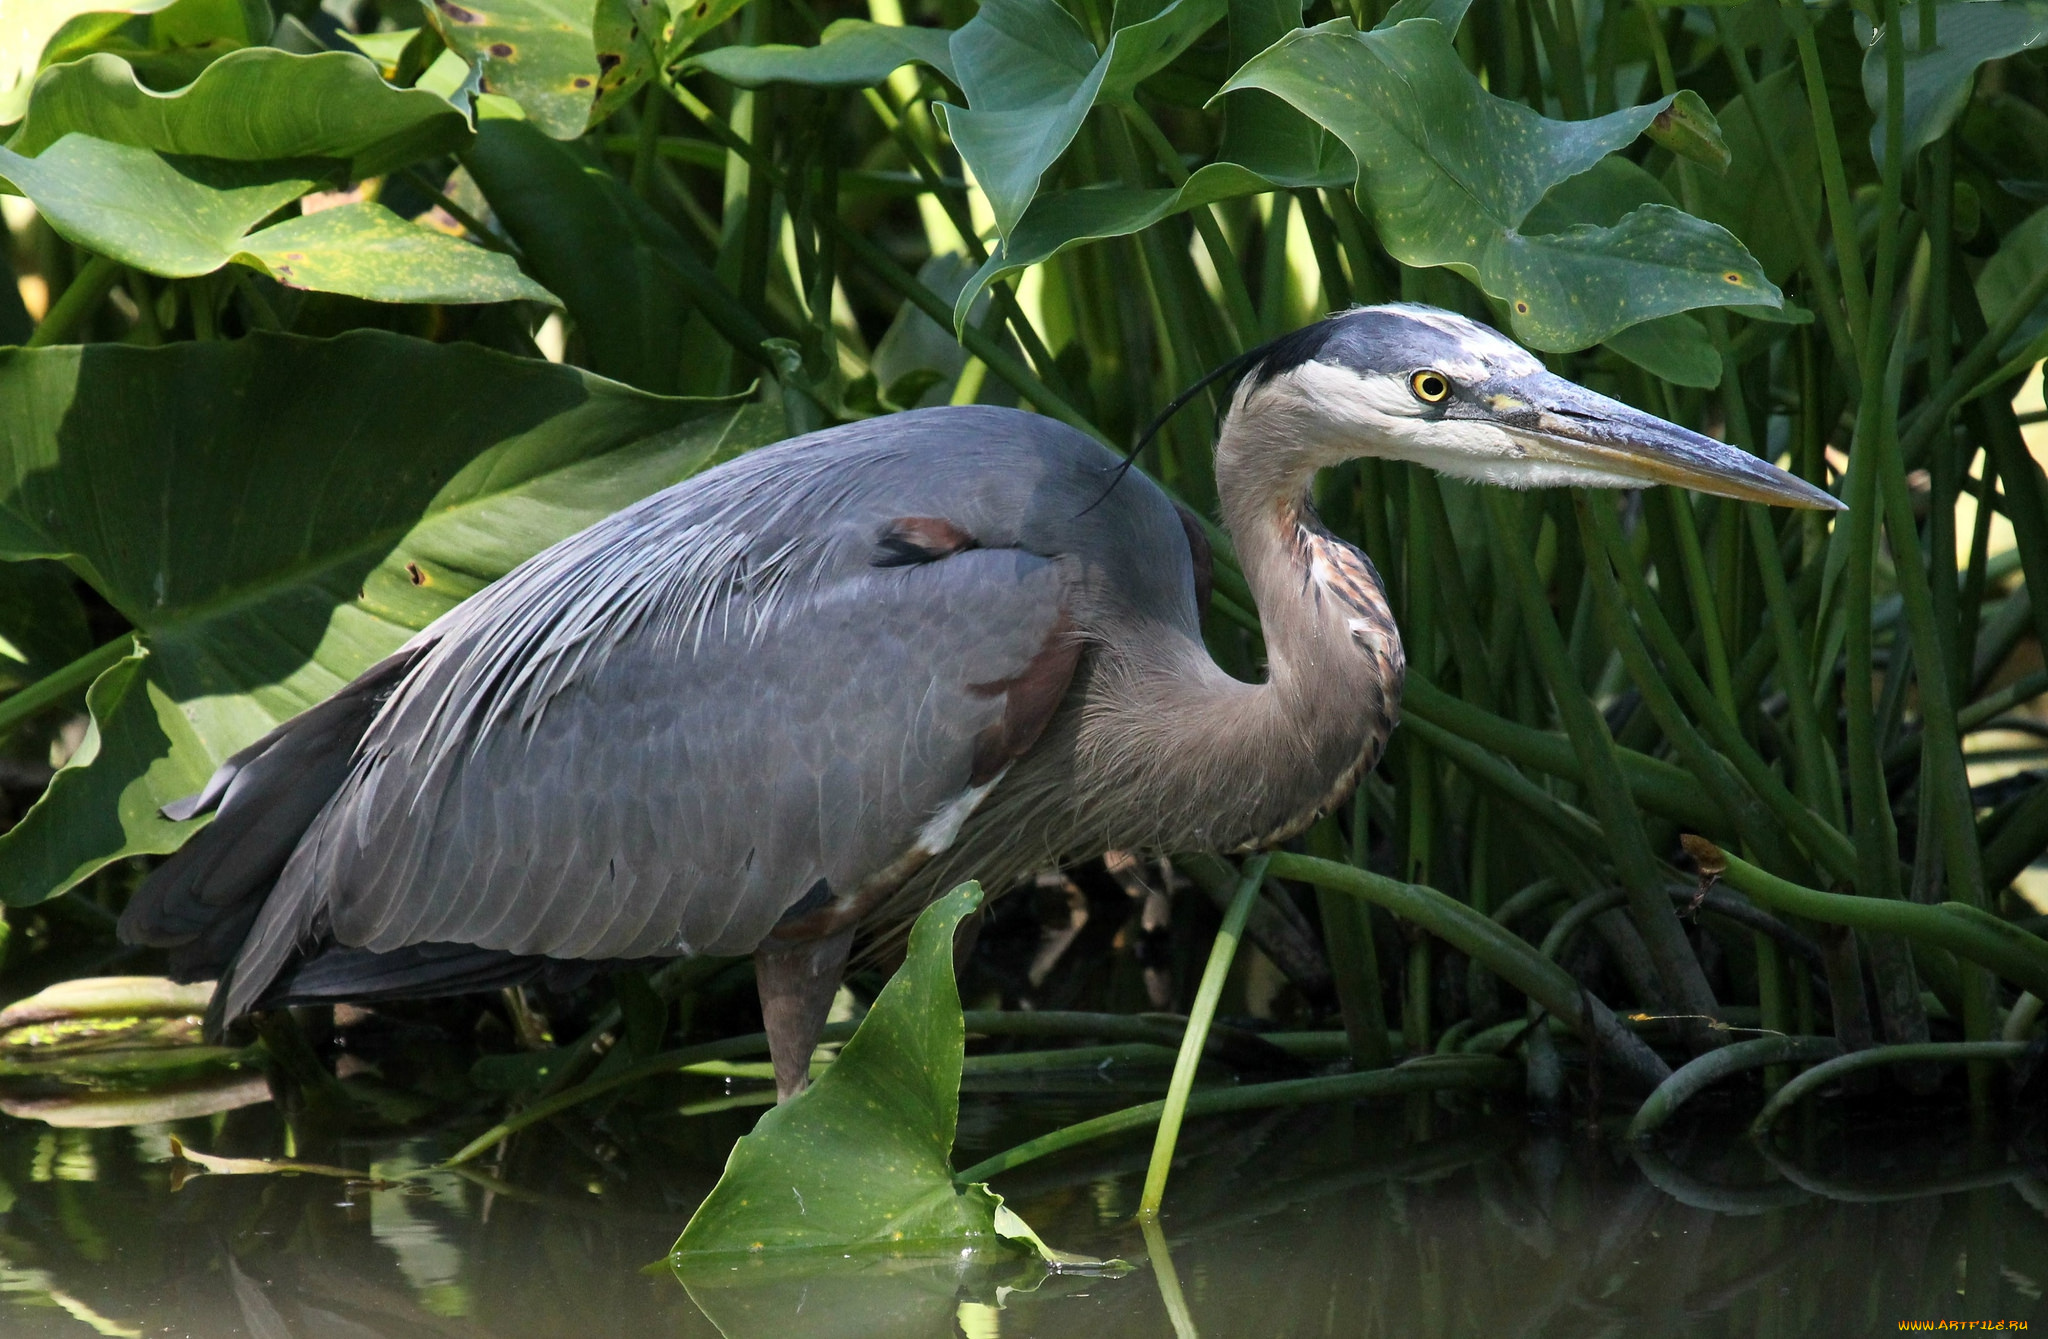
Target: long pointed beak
[{"x": 1555, "y": 420}]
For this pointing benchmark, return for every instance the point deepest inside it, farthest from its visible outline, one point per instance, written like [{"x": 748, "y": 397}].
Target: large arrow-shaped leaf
[
  {"x": 851, "y": 53},
  {"x": 26, "y": 27},
  {"x": 189, "y": 216},
  {"x": 1938, "y": 80},
  {"x": 1448, "y": 173},
  {"x": 252, "y": 105},
  {"x": 276, "y": 513},
  {"x": 1031, "y": 75}
]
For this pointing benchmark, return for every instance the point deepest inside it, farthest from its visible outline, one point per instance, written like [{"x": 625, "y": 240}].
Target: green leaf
[
  {"x": 1031, "y": 76},
  {"x": 1449, "y": 173},
  {"x": 274, "y": 514},
  {"x": 27, "y": 28},
  {"x": 1688, "y": 129},
  {"x": 139, "y": 754},
  {"x": 1676, "y": 348},
  {"x": 1450, "y": 13},
  {"x": 1064, "y": 219},
  {"x": 1745, "y": 199},
  {"x": 170, "y": 216},
  {"x": 366, "y": 251},
  {"x": 42, "y": 623},
  {"x": 539, "y": 53},
  {"x": 851, "y": 53},
  {"x": 861, "y": 1158},
  {"x": 2020, "y": 257},
  {"x": 1938, "y": 81},
  {"x": 594, "y": 245},
  {"x": 254, "y": 105}
]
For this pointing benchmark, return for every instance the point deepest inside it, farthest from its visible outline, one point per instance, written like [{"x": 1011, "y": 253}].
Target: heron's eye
[{"x": 1430, "y": 387}]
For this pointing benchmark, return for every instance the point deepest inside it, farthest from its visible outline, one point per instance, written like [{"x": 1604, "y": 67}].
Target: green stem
[
  {"x": 1221, "y": 953},
  {"x": 1963, "y": 930},
  {"x": 1813, "y": 1080},
  {"x": 1426, "y": 1074},
  {"x": 1707, "y": 1070},
  {"x": 61, "y": 683},
  {"x": 1628, "y": 847},
  {"x": 81, "y": 298},
  {"x": 1505, "y": 954},
  {"x": 1236, "y": 297},
  {"x": 1834, "y": 179}
]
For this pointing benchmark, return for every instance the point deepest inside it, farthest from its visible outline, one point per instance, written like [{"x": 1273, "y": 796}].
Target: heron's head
[{"x": 1423, "y": 385}]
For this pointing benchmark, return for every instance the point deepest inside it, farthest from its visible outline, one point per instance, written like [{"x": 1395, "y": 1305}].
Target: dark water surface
[{"x": 1415, "y": 1221}]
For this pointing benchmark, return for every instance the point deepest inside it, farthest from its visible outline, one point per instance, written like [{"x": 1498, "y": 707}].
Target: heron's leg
[{"x": 797, "y": 981}]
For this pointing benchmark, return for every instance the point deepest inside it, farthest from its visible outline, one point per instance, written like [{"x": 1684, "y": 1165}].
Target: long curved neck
[{"x": 1234, "y": 765}]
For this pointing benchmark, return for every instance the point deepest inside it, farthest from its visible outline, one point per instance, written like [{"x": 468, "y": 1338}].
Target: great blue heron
[{"x": 805, "y": 692}]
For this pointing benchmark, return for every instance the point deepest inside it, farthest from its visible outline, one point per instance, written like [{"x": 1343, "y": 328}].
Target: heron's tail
[{"x": 200, "y": 903}]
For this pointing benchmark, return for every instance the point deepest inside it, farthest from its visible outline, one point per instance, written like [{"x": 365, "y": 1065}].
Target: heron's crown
[{"x": 1394, "y": 340}]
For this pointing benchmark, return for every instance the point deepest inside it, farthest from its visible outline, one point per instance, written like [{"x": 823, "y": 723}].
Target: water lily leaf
[
  {"x": 1031, "y": 76},
  {"x": 594, "y": 245},
  {"x": 171, "y": 216},
  {"x": 1938, "y": 82},
  {"x": 539, "y": 53},
  {"x": 27, "y": 28},
  {"x": 396, "y": 477},
  {"x": 861, "y": 1158},
  {"x": 255, "y": 105},
  {"x": 366, "y": 251},
  {"x": 1448, "y": 173},
  {"x": 851, "y": 53}
]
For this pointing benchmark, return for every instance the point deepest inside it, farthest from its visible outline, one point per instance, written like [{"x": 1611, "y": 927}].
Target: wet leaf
[
  {"x": 1031, "y": 76},
  {"x": 851, "y": 53},
  {"x": 216, "y": 1166},
  {"x": 1449, "y": 172},
  {"x": 366, "y": 251},
  {"x": 861, "y": 1158},
  {"x": 108, "y": 996},
  {"x": 27, "y": 28},
  {"x": 171, "y": 216},
  {"x": 1938, "y": 82},
  {"x": 860, "y": 1162},
  {"x": 93, "y": 1110},
  {"x": 1676, "y": 348},
  {"x": 341, "y": 467},
  {"x": 253, "y": 105}
]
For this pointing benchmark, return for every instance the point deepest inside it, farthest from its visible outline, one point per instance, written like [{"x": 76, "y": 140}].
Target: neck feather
[{"x": 1235, "y": 765}]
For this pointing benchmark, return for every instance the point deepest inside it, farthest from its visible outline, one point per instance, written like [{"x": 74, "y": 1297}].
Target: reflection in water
[{"x": 1315, "y": 1222}]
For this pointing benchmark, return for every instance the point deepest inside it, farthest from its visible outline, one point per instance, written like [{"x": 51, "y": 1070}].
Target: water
[{"x": 1389, "y": 1220}]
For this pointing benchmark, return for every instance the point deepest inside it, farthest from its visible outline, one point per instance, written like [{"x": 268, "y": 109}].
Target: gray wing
[{"x": 758, "y": 687}]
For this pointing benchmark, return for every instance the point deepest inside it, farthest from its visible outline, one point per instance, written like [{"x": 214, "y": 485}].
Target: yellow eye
[{"x": 1430, "y": 387}]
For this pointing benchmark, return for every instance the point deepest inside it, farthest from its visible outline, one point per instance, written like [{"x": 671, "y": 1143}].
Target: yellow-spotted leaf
[{"x": 366, "y": 251}]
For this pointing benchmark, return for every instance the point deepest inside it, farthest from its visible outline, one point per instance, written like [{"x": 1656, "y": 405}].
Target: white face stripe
[{"x": 1493, "y": 353}]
